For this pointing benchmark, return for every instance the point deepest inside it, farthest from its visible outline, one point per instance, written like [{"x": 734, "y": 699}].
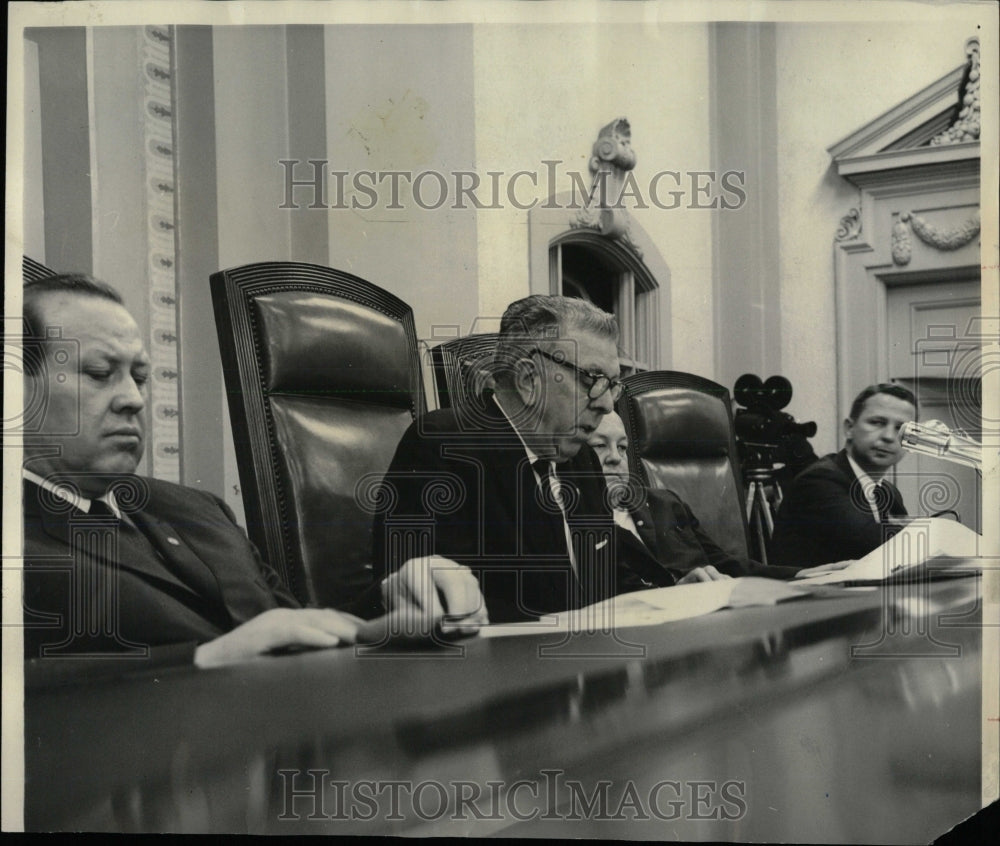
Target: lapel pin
[{"x": 174, "y": 541}]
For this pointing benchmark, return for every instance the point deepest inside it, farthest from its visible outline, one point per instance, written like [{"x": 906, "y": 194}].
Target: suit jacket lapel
[
  {"x": 63, "y": 522},
  {"x": 840, "y": 459},
  {"x": 895, "y": 508},
  {"x": 514, "y": 481},
  {"x": 208, "y": 550},
  {"x": 643, "y": 519},
  {"x": 181, "y": 560},
  {"x": 588, "y": 519}
]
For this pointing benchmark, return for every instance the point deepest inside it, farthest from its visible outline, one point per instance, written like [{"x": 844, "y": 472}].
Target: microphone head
[
  {"x": 933, "y": 434},
  {"x": 934, "y": 438}
]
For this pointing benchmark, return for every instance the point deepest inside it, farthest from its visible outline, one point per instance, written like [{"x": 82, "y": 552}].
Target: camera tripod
[{"x": 763, "y": 499}]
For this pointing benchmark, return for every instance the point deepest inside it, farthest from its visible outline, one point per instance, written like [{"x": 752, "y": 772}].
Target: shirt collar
[
  {"x": 70, "y": 495},
  {"x": 867, "y": 482}
]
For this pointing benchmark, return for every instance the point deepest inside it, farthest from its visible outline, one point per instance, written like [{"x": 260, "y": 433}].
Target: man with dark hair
[
  {"x": 842, "y": 506},
  {"x": 115, "y": 562},
  {"x": 510, "y": 487}
]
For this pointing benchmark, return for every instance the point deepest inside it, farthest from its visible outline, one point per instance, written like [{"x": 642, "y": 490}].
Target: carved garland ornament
[
  {"x": 966, "y": 125},
  {"x": 952, "y": 238}
]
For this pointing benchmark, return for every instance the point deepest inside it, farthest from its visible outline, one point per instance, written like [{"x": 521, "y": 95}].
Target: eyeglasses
[{"x": 597, "y": 384}]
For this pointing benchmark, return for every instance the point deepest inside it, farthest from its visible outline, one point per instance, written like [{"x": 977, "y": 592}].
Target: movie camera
[
  {"x": 768, "y": 437},
  {"x": 773, "y": 449}
]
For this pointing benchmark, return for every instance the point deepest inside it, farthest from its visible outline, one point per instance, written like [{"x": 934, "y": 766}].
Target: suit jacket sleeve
[
  {"x": 682, "y": 544},
  {"x": 366, "y": 605},
  {"x": 715, "y": 555},
  {"x": 282, "y": 595},
  {"x": 221, "y": 544}
]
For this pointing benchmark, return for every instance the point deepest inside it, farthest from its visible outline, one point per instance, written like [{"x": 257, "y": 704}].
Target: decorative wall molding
[
  {"x": 849, "y": 227},
  {"x": 936, "y": 126},
  {"x": 915, "y": 224},
  {"x": 967, "y": 124},
  {"x": 157, "y": 69}
]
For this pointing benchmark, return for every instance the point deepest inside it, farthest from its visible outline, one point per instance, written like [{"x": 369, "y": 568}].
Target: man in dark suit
[
  {"x": 117, "y": 563},
  {"x": 509, "y": 486},
  {"x": 659, "y": 520},
  {"x": 842, "y": 507}
]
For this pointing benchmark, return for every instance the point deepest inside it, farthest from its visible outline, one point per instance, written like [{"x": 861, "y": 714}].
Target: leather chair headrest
[
  {"x": 679, "y": 422},
  {"x": 369, "y": 362}
]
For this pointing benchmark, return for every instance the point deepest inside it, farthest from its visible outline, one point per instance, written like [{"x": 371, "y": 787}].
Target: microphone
[{"x": 936, "y": 439}]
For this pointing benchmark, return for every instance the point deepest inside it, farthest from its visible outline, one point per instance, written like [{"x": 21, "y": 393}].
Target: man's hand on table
[
  {"x": 435, "y": 591},
  {"x": 822, "y": 569},
  {"x": 279, "y": 629},
  {"x": 707, "y": 573}
]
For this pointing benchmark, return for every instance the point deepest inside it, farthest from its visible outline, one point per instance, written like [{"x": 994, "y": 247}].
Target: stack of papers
[
  {"x": 659, "y": 605},
  {"x": 920, "y": 541}
]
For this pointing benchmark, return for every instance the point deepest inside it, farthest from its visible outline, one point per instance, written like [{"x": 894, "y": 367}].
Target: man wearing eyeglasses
[{"x": 509, "y": 486}]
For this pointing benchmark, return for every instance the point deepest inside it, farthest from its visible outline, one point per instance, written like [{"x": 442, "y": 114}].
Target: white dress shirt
[{"x": 71, "y": 495}]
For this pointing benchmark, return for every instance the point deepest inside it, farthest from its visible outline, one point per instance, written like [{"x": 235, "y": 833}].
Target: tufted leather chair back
[
  {"x": 323, "y": 378},
  {"x": 680, "y": 431}
]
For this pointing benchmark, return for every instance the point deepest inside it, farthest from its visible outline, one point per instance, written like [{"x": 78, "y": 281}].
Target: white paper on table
[
  {"x": 921, "y": 540},
  {"x": 659, "y": 605}
]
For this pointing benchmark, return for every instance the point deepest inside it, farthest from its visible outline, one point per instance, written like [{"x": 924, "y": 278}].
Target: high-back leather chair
[
  {"x": 462, "y": 368},
  {"x": 680, "y": 430},
  {"x": 323, "y": 378}
]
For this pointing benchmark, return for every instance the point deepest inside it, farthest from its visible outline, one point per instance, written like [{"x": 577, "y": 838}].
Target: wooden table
[{"x": 851, "y": 717}]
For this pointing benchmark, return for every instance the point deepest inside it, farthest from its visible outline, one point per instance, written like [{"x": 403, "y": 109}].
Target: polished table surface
[{"x": 854, "y": 716}]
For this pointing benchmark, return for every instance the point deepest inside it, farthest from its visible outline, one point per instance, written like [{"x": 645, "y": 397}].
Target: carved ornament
[
  {"x": 850, "y": 226},
  {"x": 967, "y": 124},
  {"x": 902, "y": 247},
  {"x": 943, "y": 239},
  {"x": 951, "y": 238},
  {"x": 612, "y": 157}
]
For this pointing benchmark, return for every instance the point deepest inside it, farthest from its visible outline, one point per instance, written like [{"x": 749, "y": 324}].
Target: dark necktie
[
  {"x": 99, "y": 508},
  {"x": 883, "y": 501}
]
